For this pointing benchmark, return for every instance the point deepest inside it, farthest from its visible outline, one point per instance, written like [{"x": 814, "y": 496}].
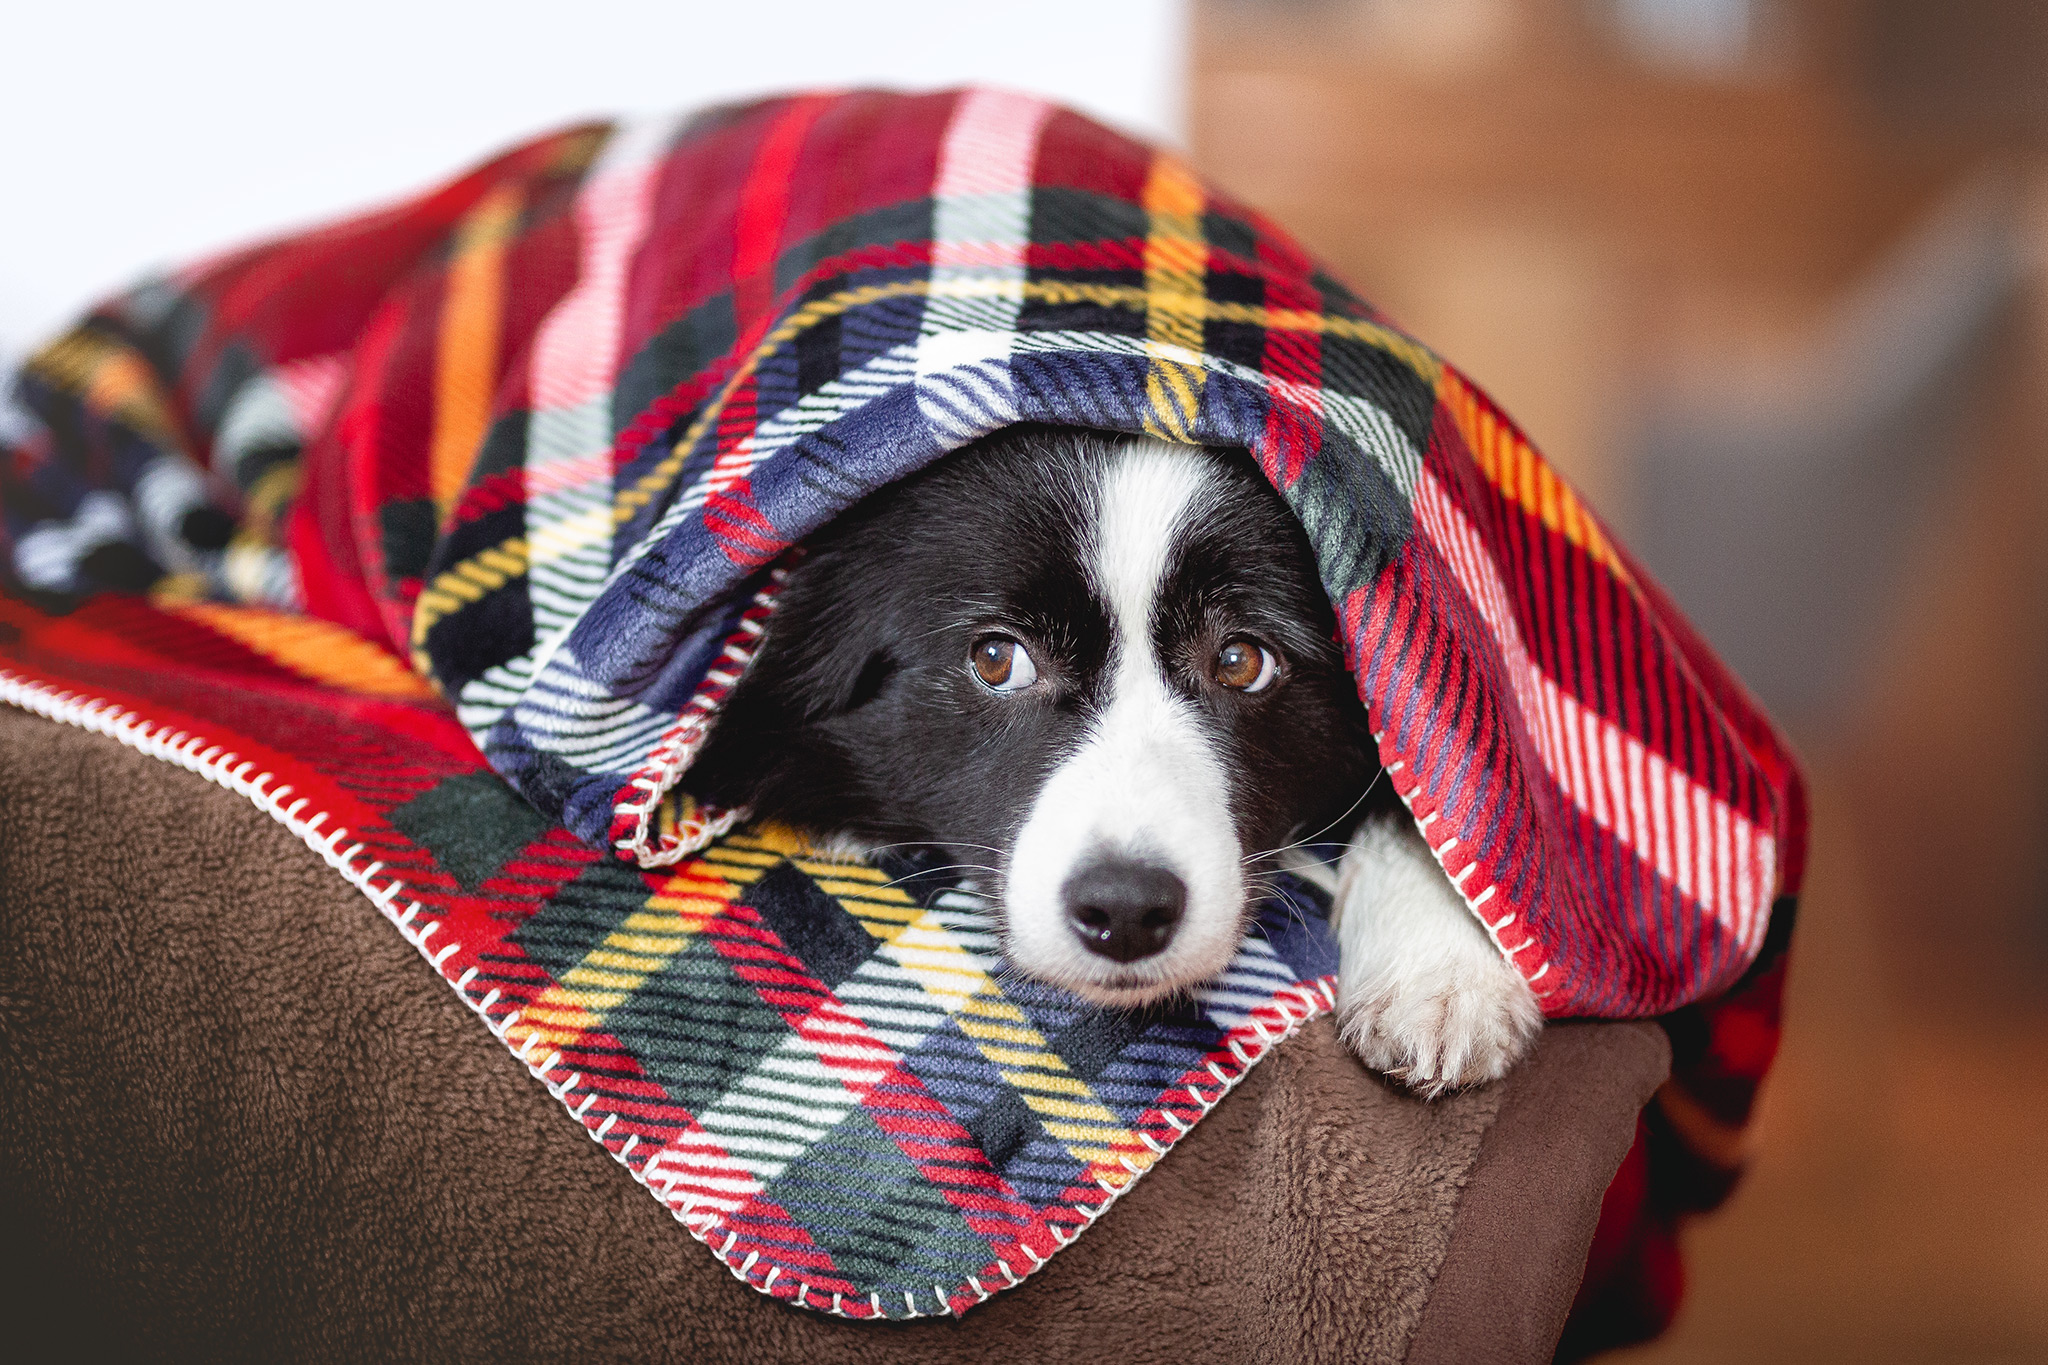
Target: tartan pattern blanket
[
  {"x": 819, "y": 1067},
  {"x": 548, "y": 431}
]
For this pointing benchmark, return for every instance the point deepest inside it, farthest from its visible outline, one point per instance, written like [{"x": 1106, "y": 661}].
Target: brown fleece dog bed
[{"x": 203, "y": 1157}]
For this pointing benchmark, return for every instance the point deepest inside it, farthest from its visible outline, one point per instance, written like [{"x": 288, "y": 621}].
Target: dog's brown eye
[
  {"x": 1245, "y": 666},
  {"x": 1002, "y": 664}
]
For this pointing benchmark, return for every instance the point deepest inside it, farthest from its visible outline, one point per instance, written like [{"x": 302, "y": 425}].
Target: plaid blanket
[
  {"x": 549, "y": 430},
  {"x": 821, "y": 1069}
]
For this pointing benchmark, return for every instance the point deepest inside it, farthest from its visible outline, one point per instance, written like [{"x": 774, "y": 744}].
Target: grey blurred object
[
  {"x": 1697, "y": 35},
  {"x": 1775, "y": 510}
]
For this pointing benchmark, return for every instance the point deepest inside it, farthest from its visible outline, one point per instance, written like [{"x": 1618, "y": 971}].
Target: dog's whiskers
[
  {"x": 934, "y": 843},
  {"x": 950, "y": 867},
  {"x": 1310, "y": 839}
]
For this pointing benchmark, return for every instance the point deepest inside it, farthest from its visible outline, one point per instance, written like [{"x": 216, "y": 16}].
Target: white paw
[
  {"x": 1423, "y": 994},
  {"x": 1442, "y": 1028}
]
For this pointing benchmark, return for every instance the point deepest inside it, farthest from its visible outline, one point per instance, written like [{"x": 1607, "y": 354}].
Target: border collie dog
[{"x": 1102, "y": 670}]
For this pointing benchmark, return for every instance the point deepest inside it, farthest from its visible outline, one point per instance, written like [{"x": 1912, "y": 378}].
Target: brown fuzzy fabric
[{"x": 201, "y": 1159}]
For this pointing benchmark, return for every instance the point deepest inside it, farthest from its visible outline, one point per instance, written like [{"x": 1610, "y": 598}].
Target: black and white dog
[{"x": 1103, "y": 669}]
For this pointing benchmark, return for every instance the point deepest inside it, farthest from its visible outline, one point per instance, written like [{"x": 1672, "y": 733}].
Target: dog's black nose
[{"x": 1123, "y": 909}]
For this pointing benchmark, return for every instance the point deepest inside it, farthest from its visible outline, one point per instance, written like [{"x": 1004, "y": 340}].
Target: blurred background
[{"x": 1762, "y": 276}]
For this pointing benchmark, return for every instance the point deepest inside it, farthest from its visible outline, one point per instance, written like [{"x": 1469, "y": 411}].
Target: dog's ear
[
  {"x": 775, "y": 748},
  {"x": 867, "y": 684},
  {"x": 826, "y": 653},
  {"x": 824, "y": 665}
]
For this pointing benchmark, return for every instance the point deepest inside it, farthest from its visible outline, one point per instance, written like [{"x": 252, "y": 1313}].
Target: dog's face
[{"x": 1099, "y": 671}]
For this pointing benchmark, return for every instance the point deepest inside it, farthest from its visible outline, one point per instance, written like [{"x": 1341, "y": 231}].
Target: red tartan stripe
[
  {"x": 836, "y": 175},
  {"x": 763, "y": 212},
  {"x": 119, "y": 624},
  {"x": 532, "y": 876},
  {"x": 1776, "y": 763},
  {"x": 1598, "y": 639},
  {"x": 1481, "y": 787},
  {"x": 746, "y": 536},
  {"x": 705, "y": 1174},
  {"x": 1472, "y": 782},
  {"x": 1720, "y": 859},
  {"x": 1076, "y": 153}
]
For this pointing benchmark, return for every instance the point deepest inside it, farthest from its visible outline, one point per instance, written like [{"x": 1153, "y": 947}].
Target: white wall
[{"x": 139, "y": 132}]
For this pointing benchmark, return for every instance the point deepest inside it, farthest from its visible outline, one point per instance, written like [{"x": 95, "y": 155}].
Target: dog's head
[{"x": 1098, "y": 671}]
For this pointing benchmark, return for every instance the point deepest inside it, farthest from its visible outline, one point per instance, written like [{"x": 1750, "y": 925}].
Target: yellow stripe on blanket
[
  {"x": 466, "y": 359},
  {"x": 1518, "y": 471},
  {"x": 112, "y": 381},
  {"x": 644, "y": 943},
  {"x": 1176, "y": 263},
  {"x": 312, "y": 648}
]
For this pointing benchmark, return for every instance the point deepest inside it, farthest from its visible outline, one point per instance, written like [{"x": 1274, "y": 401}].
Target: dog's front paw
[
  {"x": 1423, "y": 994},
  {"x": 1442, "y": 1025}
]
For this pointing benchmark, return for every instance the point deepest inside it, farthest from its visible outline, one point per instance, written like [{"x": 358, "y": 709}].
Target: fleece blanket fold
[
  {"x": 820, "y": 1068},
  {"x": 548, "y": 431}
]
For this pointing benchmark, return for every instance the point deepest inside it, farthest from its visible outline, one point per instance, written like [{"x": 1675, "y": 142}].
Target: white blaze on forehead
[
  {"x": 1148, "y": 494},
  {"x": 1147, "y": 782}
]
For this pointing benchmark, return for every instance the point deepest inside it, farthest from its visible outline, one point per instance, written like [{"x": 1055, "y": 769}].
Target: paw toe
[{"x": 1442, "y": 1035}]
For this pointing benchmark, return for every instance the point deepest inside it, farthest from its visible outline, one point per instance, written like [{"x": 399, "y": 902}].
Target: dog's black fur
[{"x": 862, "y": 716}]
